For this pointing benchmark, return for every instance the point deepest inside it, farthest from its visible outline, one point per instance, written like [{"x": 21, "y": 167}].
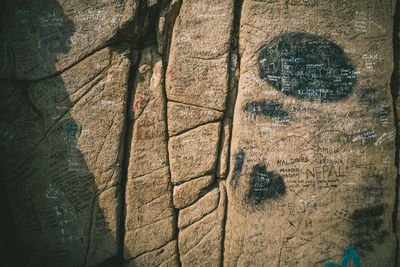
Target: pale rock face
[
  {"x": 149, "y": 223},
  {"x": 201, "y": 242},
  {"x": 187, "y": 193},
  {"x": 198, "y": 210},
  {"x": 311, "y": 168},
  {"x": 200, "y": 133},
  {"x": 164, "y": 256},
  {"x": 197, "y": 69},
  {"x": 189, "y": 148},
  {"x": 183, "y": 117}
]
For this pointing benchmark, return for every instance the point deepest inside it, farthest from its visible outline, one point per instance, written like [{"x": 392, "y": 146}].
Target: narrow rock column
[
  {"x": 149, "y": 223},
  {"x": 197, "y": 89}
]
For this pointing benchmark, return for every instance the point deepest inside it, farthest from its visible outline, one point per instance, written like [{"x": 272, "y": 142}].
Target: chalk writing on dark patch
[
  {"x": 237, "y": 169},
  {"x": 306, "y": 66},
  {"x": 366, "y": 224},
  {"x": 268, "y": 108},
  {"x": 264, "y": 185},
  {"x": 367, "y": 97}
]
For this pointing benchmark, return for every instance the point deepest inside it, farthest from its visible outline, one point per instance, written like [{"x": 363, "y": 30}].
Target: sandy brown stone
[
  {"x": 148, "y": 213},
  {"x": 148, "y": 148},
  {"x": 315, "y": 169},
  {"x": 194, "y": 153},
  {"x": 182, "y": 117},
  {"x": 197, "y": 69},
  {"x": 148, "y": 238},
  {"x": 222, "y": 167},
  {"x": 138, "y": 110},
  {"x": 201, "y": 242},
  {"x": 137, "y": 192},
  {"x": 166, "y": 22},
  {"x": 149, "y": 222},
  {"x": 187, "y": 193},
  {"x": 172, "y": 262},
  {"x": 164, "y": 256},
  {"x": 199, "y": 209}
]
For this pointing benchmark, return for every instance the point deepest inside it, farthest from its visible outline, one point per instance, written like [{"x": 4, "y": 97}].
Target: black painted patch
[
  {"x": 264, "y": 185},
  {"x": 237, "y": 169},
  {"x": 306, "y": 66},
  {"x": 367, "y": 97},
  {"x": 366, "y": 223},
  {"x": 268, "y": 108}
]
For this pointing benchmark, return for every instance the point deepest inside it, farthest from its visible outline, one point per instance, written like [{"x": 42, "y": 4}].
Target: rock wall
[{"x": 199, "y": 132}]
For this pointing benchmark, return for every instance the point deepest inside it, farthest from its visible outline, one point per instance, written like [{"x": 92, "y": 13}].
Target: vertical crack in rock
[
  {"x": 176, "y": 211},
  {"x": 233, "y": 83},
  {"x": 165, "y": 57},
  {"x": 93, "y": 213},
  {"x": 126, "y": 154},
  {"x": 166, "y": 23},
  {"x": 394, "y": 85}
]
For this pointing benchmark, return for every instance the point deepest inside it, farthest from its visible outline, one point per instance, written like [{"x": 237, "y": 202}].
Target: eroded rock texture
[
  {"x": 199, "y": 133},
  {"x": 62, "y": 166},
  {"x": 312, "y": 168}
]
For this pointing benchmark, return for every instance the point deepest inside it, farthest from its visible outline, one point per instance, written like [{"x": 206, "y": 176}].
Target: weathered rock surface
[
  {"x": 187, "y": 193},
  {"x": 149, "y": 223},
  {"x": 65, "y": 162},
  {"x": 183, "y": 117},
  {"x": 148, "y": 151},
  {"x": 165, "y": 256},
  {"x": 311, "y": 168},
  {"x": 43, "y": 37},
  {"x": 201, "y": 242},
  {"x": 222, "y": 167},
  {"x": 120, "y": 121},
  {"x": 198, "y": 210},
  {"x": 197, "y": 68},
  {"x": 194, "y": 153}
]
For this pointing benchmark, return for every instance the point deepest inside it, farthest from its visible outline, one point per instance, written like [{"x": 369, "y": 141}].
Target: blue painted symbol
[
  {"x": 72, "y": 130},
  {"x": 350, "y": 253}
]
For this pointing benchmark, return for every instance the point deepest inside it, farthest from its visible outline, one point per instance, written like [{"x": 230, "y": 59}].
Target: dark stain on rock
[
  {"x": 366, "y": 227},
  {"x": 367, "y": 97},
  {"x": 268, "y": 108},
  {"x": 307, "y": 66},
  {"x": 264, "y": 185},
  {"x": 237, "y": 169}
]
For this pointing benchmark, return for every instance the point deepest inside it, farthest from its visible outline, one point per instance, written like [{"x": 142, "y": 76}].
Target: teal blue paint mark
[
  {"x": 72, "y": 130},
  {"x": 350, "y": 253}
]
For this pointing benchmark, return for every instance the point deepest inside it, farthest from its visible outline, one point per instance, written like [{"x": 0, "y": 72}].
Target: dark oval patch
[
  {"x": 306, "y": 66},
  {"x": 264, "y": 185},
  {"x": 367, "y": 223}
]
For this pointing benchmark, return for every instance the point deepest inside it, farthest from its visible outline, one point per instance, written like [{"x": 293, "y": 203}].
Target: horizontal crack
[
  {"x": 197, "y": 126},
  {"x": 199, "y": 106},
  {"x": 149, "y": 251},
  {"x": 153, "y": 222}
]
